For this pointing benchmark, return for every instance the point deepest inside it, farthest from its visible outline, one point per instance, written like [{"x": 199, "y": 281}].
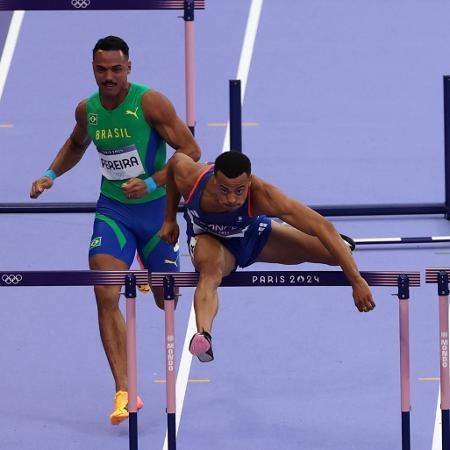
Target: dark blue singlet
[{"x": 242, "y": 234}]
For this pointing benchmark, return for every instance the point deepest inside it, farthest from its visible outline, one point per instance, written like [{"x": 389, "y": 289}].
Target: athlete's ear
[{"x": 129, "y": 67}]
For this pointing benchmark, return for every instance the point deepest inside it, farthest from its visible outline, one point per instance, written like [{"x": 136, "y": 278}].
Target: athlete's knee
[
  {"x": 211, "y": 276},
  {"x": 107, "y": 298},
  {"x": 210, "y": 262},
  {"x": 158, "y": 295}
]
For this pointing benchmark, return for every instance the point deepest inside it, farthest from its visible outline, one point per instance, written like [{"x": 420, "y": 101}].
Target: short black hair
[
  {"x": 232, "y": 164},
  {"x": 111, "y": 43}
]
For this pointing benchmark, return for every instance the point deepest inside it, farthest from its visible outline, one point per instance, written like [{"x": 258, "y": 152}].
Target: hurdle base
[
  {"x": 171, "y": 432},
  {"x": 406, "y": 433},
  {"x": 132, "y": 427},
  {"x": 445, "y": 428}
]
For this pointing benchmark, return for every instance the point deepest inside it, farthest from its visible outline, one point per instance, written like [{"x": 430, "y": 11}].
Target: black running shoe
[{"x": 349, "y": 241}]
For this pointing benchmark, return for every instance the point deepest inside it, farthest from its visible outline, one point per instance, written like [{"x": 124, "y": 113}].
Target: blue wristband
[
  {"x": 50, "y": 173},
  {"x": 150, "y": 182}
]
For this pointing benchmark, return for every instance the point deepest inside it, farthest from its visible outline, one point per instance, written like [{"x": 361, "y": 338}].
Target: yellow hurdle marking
[
  {"x": 429, "y": 379},
  {"x": 223, "y": 124},
  {"x": 189, "y": 381}
]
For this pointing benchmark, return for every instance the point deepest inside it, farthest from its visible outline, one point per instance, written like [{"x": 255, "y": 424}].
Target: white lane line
[
  {"x": 437, "y": 434},
  {"x": 437, "y": 442},
  {"x": 10, "y": 46},
  {"x": 242, "y": 74},
  {"x": 246, "y": 56}
]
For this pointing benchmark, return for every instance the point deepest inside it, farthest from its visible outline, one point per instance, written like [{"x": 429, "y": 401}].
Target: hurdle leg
[
  {"x": 443, "y": 292},
  {"x": 169, "y": 313},
  {"x": 130, "y": 295},
  {"x": 403, "y": 296},
  {"x": 235, "y": 116},
  {"x": 189, "y": 63}
]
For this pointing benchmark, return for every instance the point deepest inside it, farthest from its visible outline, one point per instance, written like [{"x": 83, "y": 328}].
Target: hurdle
[
  {"x": 403, "y": 281},
  {"x": 439, "y": 276},
  {"x": 369, "y": 209},
  {"x": 401, "y": 240}
]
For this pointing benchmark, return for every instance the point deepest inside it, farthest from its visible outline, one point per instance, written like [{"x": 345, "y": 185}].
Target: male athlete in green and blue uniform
[
  {"x": 130, "y": 125},
  {"x": 124, "y": 224}
]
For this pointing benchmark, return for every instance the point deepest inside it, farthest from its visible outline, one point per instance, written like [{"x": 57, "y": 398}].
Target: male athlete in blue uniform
[
  {"x": 227, "y": 226},
  {"x": 130, "y": 125}
]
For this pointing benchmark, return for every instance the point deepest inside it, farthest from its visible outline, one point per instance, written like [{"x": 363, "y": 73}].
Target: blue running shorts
[
  {"x": 122, "y": 229},
  {"x": 244, "y": 249}
]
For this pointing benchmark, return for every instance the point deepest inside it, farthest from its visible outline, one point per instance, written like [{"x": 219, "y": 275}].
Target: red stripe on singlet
[
  {"x": 249, "y": 196},
  {"x": 198, "y": 181}
]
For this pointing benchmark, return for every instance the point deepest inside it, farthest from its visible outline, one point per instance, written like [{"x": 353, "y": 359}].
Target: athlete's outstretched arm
[
  {"x": 268, "y": 199},
  {"x": 70, "y": 153}
]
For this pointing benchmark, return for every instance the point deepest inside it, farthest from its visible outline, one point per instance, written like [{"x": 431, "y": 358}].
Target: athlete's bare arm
[
  {"x": 182, "y": 172},
  {"x": 70, "y": 153},
  {"x": 268, "y": 199},
  {"x": 161, "y": 115}
]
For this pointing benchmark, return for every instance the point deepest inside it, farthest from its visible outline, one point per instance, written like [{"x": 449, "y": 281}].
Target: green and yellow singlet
[{"x": 128, "y": 147}]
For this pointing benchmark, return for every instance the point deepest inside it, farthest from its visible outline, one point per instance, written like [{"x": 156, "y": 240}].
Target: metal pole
[
  {"x": 130, "y": 295},
  {"x": 403, "y": 296},
  {"x": 402, "y": 240},
  {"x": 443, "y": 292},
  {"x": 447, "y": 142},
  {"x": 169, "y": 308},
  {"x": 189, "y": 63},
  {"x": 235, "y": 116}
]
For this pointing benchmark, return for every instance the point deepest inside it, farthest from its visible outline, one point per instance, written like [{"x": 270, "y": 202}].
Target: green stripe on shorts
[
  {"x": 117, "y": 231},
  {"x": 150, "y": 245}
]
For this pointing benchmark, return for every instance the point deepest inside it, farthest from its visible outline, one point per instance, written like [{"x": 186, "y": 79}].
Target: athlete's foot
[
  {"x": 201, "y": 347},
  {"x": 144, "y": 288},
  {"x": 120, "y": 412}
]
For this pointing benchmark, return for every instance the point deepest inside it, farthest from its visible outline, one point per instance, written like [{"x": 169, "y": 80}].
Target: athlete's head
[
  {"x": 232, "y": 176},
  {"x": 109, "y": 43},
  {"x": 111, "y": 65}
]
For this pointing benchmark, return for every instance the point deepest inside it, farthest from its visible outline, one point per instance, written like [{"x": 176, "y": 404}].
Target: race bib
[
  {"x": 121, "y": 163},
  {"x": 221, "y": 230}
]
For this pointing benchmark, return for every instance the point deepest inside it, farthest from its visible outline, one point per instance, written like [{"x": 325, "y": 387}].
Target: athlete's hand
[
  {"x": 39, "y": 186},
  {"x": 362, "y": 295},
  {"x": 135, "y": 188},
  {"x": 170, "y": 232}
]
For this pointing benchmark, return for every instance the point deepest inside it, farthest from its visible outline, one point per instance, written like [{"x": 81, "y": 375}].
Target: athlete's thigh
[
  {"x": 156, "y": 254},
  {"x": 107, "y": 296},
  {"x": 208, "y": 254},
  {"x": 162, "y": 257},
  {"x": 111, "y": 237},
  {"x": 287, "y": 245}
]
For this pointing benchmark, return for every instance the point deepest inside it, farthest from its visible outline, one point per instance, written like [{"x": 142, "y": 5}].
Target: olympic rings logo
[
  {"x": 11, "y": 278},
  {"x": 80, "y": 4}
]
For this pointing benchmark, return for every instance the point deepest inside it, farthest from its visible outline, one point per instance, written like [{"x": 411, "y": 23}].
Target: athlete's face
[
  {"x": 111, "y": 69},
  {"x": 231, "y": 192}
]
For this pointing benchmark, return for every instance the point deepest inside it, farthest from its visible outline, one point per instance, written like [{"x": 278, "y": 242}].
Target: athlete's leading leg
[
  {"x": 213, "y": 261},
  {"x": 287, "y": 245}
]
